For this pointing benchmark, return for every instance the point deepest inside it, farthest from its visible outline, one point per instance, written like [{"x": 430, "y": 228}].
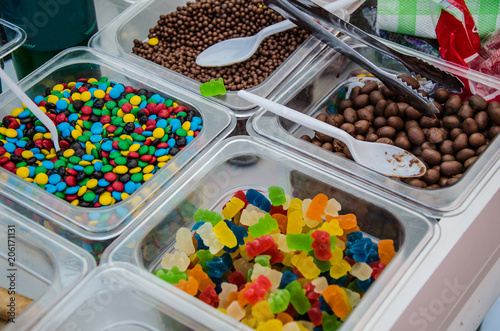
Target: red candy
[
  {"x": 110, "y": 176},
  {"x": 237, "y": 279},
  {"x": 210, "y": 296},
  {"x": 322, "y": 245},
  {"x": 126, "y": 107},
  {"x": 257, "y": 290},
  {"x": 315, "y": 315},
  {"x": 259, "y": 245},
  {"x": 276, "y": 255}
]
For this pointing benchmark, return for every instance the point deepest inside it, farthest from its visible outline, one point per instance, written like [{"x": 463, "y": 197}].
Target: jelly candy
[
  {"x": 212, "y": 88},
  {"x": 261, "y": 312},
  {"x": 237, "y": 279},
  {"x": 232, "y": 208},
  {"x": 300, "y": 241},
  {"x": 204, "y": 257},
  {"x": 257, "y": 290},
  {"x": 264, "y": 226},
  {"x": 259, "y": 245},
  {"x": 205, "y": 215},
  {"x": 219, "y": 265},
  {"x": 287, "y": 278},
  {"x": 227, "y": 289},
  {"x": 279, "y": 300},
  {"x": 273, "y": 324},
  {"x": 360, "y": 249},
  {"x": 251, "y": 215},
  {"x": 274, "y": 276},
  {"x": 183, "y": 241},
  {"x": 337, "y": 299},
  {"x": 258, "y": 199},
  {"x": 330, "y": 322},
  {"x": 200, "y": 276},
  {"x": 361, "y": 271},
  {"x": 236, "y": 311},
  {"x": 305, "y": 264},
  {"x": 276, "y": 195},
  {"x": 177, "y": 259},
  {"x": 209, "y": 296},
  {"x": 190, "y": 286},
  {"x": 317, "y": 208},
  {"x": 263, "y": 260},
  {"x": 225, "y": 235},
  {"x": 298, "y": 297},
  {"x": 295, "y": 222},
  {"x": 209, "y": 238},
  {"x": 322, "y": 245},
  {"x": 386, "y": 250},
  {"x": 172, "y": 276}
]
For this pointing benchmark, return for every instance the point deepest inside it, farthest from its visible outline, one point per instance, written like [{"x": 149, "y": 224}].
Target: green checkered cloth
[{"x": 419, "y": 17}]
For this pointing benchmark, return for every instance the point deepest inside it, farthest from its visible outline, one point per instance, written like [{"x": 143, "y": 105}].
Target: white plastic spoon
[
  {"x": 33, "y": 107},
  {"x": 236, "y": 50},
  {"x": 386, "y": 159}
]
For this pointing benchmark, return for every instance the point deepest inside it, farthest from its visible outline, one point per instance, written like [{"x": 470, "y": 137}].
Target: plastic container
[
  {"x": 37, "y": 264},
  {"x": 318, "y": 90},
  {"x": 241, "y": 163},
  {"x": 109, "y": 221},
  {"x": 117, "y": 39},
  {"x": 121, "y": 297}
]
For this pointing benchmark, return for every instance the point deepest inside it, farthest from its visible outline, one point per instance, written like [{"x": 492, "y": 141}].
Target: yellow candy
[
  {"x": 75, "y": 202},
  {"x": 225, "y": 235},
  {"x": 93, "y": 223},
  {"x": 186, "y": 125},
  {"x": 92, "y": 183},
  {"x": 105, "y": 199},
  {"x": 158, "y": 133},
  {"x": 135, "y": 170},
  {"x": 127, "y": 118},
  {"x": 47, "y": 135},
  {"x": 147, "y": 177},
  {"x": 134, "y": 147},
  {"x": 76, "y": 96},
  {"x": 305, "y": 264},
  {"x": 52, "y": 99},
  {"x": 148, "y": 169},
  {"x": 153, "y": 41},
  {"x": 121, "y": 169},
  {"x": 41, "y": 179},
  {"x": 27, "y": 154},
  {"x": 11, "y": 133},
  {"x": 16, "y": 112},
  {"x": 68, "y": 153},
  {"x": 262, "y": 312},
  {"x": 135, "y": 100},
  {"x": 161, "y": 164},
  {"x": 92, "y": 80},
  {"x": 82, "y": 191},
  {"x": 85, "y": 96},
  {"x": 23, "y": 172},
  {"x": 71, "y": 84},
  {"x": 274, "y": 325},
  {"x": 38, "y": 136},
  {"x": 58, "y": 87},
  {"x": 99, "y": 94}
]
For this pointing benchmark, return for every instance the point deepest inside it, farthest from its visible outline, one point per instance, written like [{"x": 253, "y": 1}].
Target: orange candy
[
  {"x": 337, "y": 299},
  {"x": 282, "y": 221},
  {"x": 317, "y": 208},
  {"x": 190, "y": 286},
  {"x": 201, "y": 277},
  {"x": 386, "y": 250},
  {"x": 347, "y": 221},
  {"x": 284, "y": 317}
]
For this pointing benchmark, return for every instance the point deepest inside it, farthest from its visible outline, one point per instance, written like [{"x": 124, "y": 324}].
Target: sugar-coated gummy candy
[{"x": 282, "y": 270}]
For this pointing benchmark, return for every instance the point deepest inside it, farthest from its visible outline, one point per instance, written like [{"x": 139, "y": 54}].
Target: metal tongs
[{"x": 302, "y": 12}]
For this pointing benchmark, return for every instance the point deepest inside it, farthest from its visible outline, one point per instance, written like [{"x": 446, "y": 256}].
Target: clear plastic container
[
  {"x": 37, "y": 264},
  {"x": 316, "y": 91},
  {"x": 122, "y": 297},
  {"x": 241, "y": 163},
  {"x": 117, "y": 39},
  {"x": 15, "y": 37},
  {"x": 105, "y": 223}
]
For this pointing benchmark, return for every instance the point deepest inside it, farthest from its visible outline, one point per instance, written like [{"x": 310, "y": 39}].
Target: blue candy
[
  {"x": 258, "y": 199},
  {"x": 54, "y": 179}
]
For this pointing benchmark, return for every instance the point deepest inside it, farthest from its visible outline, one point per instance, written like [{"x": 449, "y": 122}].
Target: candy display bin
[
  {"x": 134, "y": 23},
  {"x": 37, "y": 264},
  {"x": 321, "y": 91},
  {"x": 241, "y": 163},
  {"x": 124, "y": 297},
  {"x": 105, "y": 223}
]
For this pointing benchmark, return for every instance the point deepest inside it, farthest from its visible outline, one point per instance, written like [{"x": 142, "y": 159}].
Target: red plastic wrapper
[{"x": 459, "y": 43}]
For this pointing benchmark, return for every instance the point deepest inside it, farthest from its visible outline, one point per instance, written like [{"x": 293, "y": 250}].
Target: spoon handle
[{"x": 298, "y": 117}]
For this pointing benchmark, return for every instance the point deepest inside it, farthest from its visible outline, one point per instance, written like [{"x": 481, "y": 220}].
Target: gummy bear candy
[
  {"x": 183, "y": 241},
  {"x": 177, "y": 259},
  {"x": 209, "y": 296},
  {"x": 219, "y": 265},
  {"x": 279, "y": 300},
  {"x": 317, "y": 208},
  {"x": 337, "y": 299},
  {"x": 225, "y": 235},
  {"x": 232, "y": 208},
  {"x": 295, "y": 222},
  {"x": 305, "y": 264},
  {"x": 213, "y": 87},
  {"x": 386, "y": 250},
  {"x": 204, "y": 256},
  {"x": 300, "y": 241},
  {"x": 298, "y": 297},
  {"x": 190, "y": 286},
  {"x": 251, "y": 215},
  {"x": 360, "y": 249},
  {"x": 264, "y": 226},
  {"x": 258, "y": 199},
  {"x": 206, "y": 215},
  {"x": 273, "y": 324},
  {"x": 276, "y": 195},
  {"x": 257, "y": 290},
  {"x": 261, "y": 312},
  {"x": 322, "y": 245},
  {"x": 259, "y": 245},
  {"x": 209, "y": 239},
  {"x": 227, "y": 288},
  {"x": 171, "y": 276},
  {"x": 200, "y": 276}
]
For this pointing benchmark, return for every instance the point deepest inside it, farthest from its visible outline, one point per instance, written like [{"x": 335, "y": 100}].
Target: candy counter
[{"x": 212, "y": 213}]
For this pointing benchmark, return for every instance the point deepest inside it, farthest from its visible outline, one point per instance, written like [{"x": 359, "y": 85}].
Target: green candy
[
  {"x": 89, "y": 103},
  {"x": 171, "y": 276},
  {"x": 330, "y": 322},
  {"x": 110, "y": 105},
  {"x": 136, "y": 178},
  {"x": 206, "y": 215},
  {"x": 116, "y": 121},
  {"x": 97, "y": 111},
  {"x": 108, "y": 111},
  {"x": 299, "y": 241},
  {"x": 94, "y": 153},
  {"x": 277, "y": 195},
  {"x": 143, "y": 150},
  {"x": 40, "y": 170},
  {"x": 59, "y": 163},
  {"x": 74, "y": 159},
  {"x": 118, "y": 131},
  {"x": 83, "y": 138},
  {"x": 107, "y": 168},
  {"x": 278, "y": 301},
  {"x": 114, "y": 155},
  {"x": 169, "y": 103},
  {"x": 21, "y": 164},
  {"x": 298, "y": 297},
  {"x": 151, "y": 100},
  {"x": 151, "y": 150},
  {"x": 89, "y": 196},
  {"x": 264, "y": 226},
  {"x": 181, "y": 132},
  {"x": 121, "y": 160},
  {"x": 142, "y": 164},
  {"x": 204, "y": 256},
  {"x": 263, "y": 260},
  {"x": 123, "y": 145}
]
